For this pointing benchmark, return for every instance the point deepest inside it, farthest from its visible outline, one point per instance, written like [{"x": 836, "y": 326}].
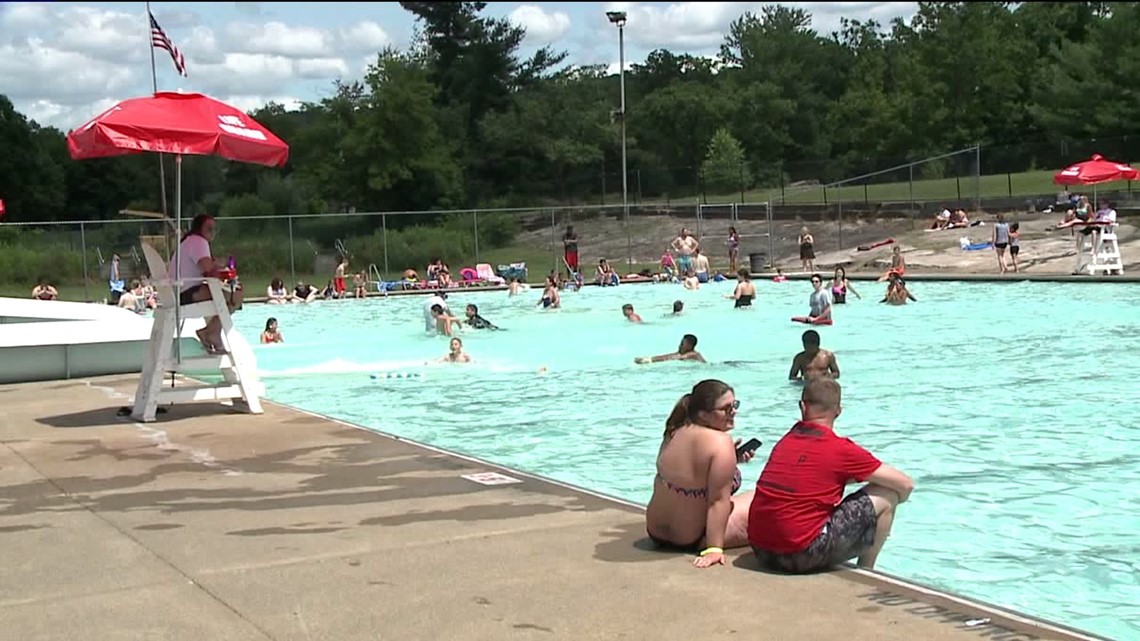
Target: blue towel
[{"x": 977, "y": 246}]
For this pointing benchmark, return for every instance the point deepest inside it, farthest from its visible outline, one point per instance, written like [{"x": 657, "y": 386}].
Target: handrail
[
  {"x": 99, "y": 256},
  {"x": 339, "y": 246},
  {"x": 374, "y": 271}
]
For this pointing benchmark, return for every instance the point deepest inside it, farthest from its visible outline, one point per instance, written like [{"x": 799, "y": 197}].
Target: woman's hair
[
  {"x": 732, "y": 230},
  {"x": 456, "y": 339},
  {"x": 197, "y": 224},
  {"x": 270, "y": 322},
  {"x": 1014, "y": 226},
  {"x": 703, "y": 398},
  {"x": 839, "y": 270},
  {"x": 277, "y": 283},
  {"x": 744, "y": 274}
]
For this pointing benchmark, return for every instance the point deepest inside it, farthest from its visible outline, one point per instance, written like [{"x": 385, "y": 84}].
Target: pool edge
[{"x": 848, "y": 572}]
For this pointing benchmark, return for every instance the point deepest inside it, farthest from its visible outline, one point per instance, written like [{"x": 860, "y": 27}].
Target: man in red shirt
[{"x": 799, "y": 521}]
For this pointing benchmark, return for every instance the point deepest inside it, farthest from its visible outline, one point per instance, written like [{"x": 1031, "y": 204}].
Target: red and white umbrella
[{"x": 1095, "y": 171}]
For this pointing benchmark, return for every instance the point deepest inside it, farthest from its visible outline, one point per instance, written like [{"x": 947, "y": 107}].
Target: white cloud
[
  {"x": 701, "y": 26},
  {"x": 364, "y": 36},
  {"x": 318, "y": 68},
  {"x": 279, "y": 39},
  {"x": 542, "y": 28}
]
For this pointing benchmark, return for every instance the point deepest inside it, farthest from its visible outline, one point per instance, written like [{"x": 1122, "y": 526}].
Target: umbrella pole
[{"x": 178, "y": 258}]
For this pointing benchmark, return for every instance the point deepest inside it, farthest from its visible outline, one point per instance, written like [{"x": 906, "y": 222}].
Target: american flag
[{"x": 158, "y": 38}]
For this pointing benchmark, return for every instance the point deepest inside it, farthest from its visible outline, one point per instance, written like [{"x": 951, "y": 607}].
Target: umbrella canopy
[
  {"x": 177, "y": 123},
  {"x": 1095, "y": 171}
]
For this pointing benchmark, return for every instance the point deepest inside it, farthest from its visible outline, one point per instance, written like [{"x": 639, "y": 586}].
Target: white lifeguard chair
[
  {"x": 238, "y": 367},
  {"x": 1099, "y": 253}
]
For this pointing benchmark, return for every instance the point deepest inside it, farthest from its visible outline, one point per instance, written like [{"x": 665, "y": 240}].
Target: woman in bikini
[
  {"x": 693, "y": 508},
  {"x": 551, "y": 299},
  {"x": 271, "y": 333},
  {"x": 840, "y": 286},
  {"x": 745, "y": 291}
]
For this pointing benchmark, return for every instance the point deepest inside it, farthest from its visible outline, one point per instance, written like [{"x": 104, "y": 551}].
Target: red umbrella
[
  {"x": 177, "y": 123},
  {"x": 1095, "y": 171}
]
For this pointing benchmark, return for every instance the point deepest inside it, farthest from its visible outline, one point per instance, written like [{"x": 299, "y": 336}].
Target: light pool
[{"x": 1010, "y": 405}]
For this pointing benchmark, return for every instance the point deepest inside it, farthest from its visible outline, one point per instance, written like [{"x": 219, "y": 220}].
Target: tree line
[{"x": 462, "y": 119}]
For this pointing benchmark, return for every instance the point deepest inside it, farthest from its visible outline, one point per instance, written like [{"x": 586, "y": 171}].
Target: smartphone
[{"x": 751, "y": 445}]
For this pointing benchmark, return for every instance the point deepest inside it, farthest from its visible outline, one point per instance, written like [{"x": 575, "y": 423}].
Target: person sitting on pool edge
[
  {"x": 630, "y": 315},
  {"x": 475, "y": 320},
  {"x": 686, "y": 351},
  {"x": 799, "y": 521},
  {"x": 693, "y": 508},
  {"x": 456, "y": 353},
  {"x": 897, "y": 293},
  {"x": 813, "y": 362},
  {"x": 444, "y": 321}
]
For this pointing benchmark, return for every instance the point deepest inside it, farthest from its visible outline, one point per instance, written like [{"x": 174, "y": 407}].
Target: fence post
[
  {"x": 475, "y": 216},
  {"x": 840, "y": 222},
  {"x": 292, "y": 257},
  {"x": 384, "y": 227},
  {"x": 978, "y": 178},
  {"x": 910, "y": 194},
  {"x": 553, "y": 249},
  {"x": 83, "y": 246}
]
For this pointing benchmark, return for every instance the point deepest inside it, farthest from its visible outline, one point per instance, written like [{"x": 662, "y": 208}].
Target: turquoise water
[{"x": 1008, "y": 404}]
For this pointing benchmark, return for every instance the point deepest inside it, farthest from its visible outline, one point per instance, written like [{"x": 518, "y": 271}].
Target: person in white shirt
[
  {"x": 438, "y": 298},
  {"x": 194, "y": 264}
]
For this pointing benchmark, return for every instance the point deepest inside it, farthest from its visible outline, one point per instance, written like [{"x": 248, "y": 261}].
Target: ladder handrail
[
  {"x": 373, "y": 270},
  {"x": 339, "y": 246},
  {"x": 99, "y": 257}
]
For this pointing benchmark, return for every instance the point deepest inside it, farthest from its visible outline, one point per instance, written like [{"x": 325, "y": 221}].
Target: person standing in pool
[
  {"x": 693, "y": 508},
  {"x": 813, "y": 362},
  {"x": 897, "y": 293},
  {"x": 819, "y": 301},
  {"x": 456, "y": 353},
  {"x": 551, "y": 299},
  {"x": 840, "y": 286},
  {"x": 678, "y": 307},
  {"x": 570, "y": 250},
  {"x": 1000, "y": 240},
  {"x": 444, "y": 321},
  {"x": 701, "y": 266},
  {"x": 686, "y": 351},
  {"x": 745, "y": 289},
  {"x": 475, "y": 320},
  {"x": 685, "y": 245},
  {"x": 799, "y": 521},
  {"x": 440, "y": 299}
]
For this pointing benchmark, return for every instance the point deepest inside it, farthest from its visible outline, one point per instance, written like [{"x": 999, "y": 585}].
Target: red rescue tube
[
  {"x": 807, "y": 321},
  {"x": 868, "y": 247}
]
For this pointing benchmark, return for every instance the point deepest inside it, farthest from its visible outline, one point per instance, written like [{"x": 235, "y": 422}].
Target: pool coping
[{"x": 913, "y": 593}]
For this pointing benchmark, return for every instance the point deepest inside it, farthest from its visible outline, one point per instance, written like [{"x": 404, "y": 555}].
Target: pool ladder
[{"x": 374, "y": 276}]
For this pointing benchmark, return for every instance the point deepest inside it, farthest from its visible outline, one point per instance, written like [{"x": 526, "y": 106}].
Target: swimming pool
[{"x": 1007, "y": 403}]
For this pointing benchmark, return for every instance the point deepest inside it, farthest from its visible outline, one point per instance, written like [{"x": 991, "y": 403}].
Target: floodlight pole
[{"x": 618, "y": 18}]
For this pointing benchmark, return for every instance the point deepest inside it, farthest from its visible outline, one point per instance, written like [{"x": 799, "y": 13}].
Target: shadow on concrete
[
  {"x": 109, "y": 416},
  {"x": 628, "y": 543}
]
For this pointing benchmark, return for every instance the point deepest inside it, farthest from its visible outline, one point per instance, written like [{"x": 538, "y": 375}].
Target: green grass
[{"x": 1029, "y": 183}]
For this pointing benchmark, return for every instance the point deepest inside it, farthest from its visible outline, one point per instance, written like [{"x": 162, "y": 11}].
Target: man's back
[{"x": 801, "y": 484}]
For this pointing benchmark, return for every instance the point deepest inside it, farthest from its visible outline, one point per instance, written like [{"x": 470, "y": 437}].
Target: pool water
[{"x": 1008, "y": 403}]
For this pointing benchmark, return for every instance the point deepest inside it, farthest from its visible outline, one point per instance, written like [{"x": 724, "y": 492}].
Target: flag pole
[{"x": 154, "y": 89}]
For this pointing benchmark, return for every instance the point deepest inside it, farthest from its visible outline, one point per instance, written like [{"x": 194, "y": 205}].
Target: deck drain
[{"x": 491, "y": 478}]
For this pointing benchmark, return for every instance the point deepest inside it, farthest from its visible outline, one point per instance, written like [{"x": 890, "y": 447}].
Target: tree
[{"x": 725, "y": 170}]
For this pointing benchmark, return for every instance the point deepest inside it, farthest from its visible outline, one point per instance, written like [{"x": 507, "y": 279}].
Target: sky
[{"x": 62, "y": 63}]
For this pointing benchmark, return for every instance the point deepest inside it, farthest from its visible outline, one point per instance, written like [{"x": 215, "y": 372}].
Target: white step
[
  {"x": 208, "y": 363},
  {"x": 192, "y": 393}
]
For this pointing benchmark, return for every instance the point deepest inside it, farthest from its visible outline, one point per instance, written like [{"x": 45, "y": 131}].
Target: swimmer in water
[
  {"x": 630, "y": 315},
  {"x": 686, "y": 351},
  {"x": 897, "y": 293},
  {"x": 475, "y": 320},
  {"x": 820, "y": 300},
  {"x": 444, "y": 321},
  {"x": 780, "y": 277},
  {"x": 678, "y": 307},
  {"x": 456, "y": 355},
  {"x": 690, "y": 281},
  {"x": 745, "y": 291},
  {"x": 813, "y": 362},
  {"x": 514, "y": 287},
  {"x": 551, "y": 299}
]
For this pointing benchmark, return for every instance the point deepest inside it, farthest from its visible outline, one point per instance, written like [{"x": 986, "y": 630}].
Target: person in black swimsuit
[
  {"x": 475, "y": 320},
  {"x": 745, "y": 290}
]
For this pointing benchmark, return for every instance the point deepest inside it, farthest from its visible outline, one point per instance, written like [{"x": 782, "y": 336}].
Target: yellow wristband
[{"x": 708, "y": 551}]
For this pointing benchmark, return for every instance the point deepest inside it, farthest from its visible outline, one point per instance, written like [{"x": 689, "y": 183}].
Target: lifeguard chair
[
  {"x": 1099, "y": 253},
  {"x": 238, "y": 368}
]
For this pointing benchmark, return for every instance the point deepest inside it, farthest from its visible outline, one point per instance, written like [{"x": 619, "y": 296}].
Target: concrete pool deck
[{"x": 214, "y": 525}]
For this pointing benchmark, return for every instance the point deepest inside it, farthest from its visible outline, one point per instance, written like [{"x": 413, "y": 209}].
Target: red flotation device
[
  {"x": 805, "y": 320},
  {"x": 867, "y": 248}
]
